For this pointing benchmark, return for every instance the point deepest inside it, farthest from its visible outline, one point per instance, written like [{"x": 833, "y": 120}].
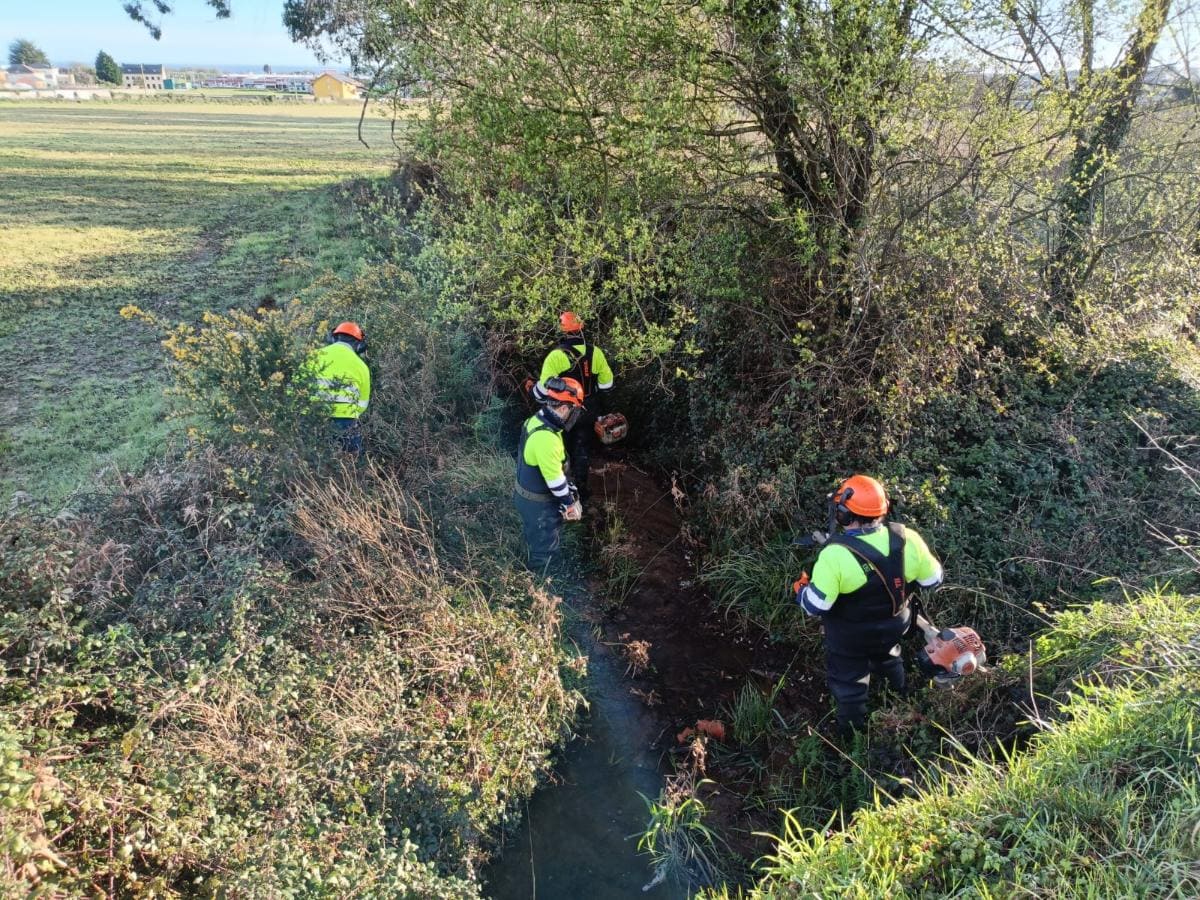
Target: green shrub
[
  {"x": 1104, "y": 802},
  {"x": 753, "y": 584},
  {"x": 255, "y": 670},
  {"x": 681, "y": 847},
  {"x": 353, "y": 717}
]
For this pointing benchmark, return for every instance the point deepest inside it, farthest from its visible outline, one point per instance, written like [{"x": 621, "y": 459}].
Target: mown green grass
[{"x": 176, "y": 208}]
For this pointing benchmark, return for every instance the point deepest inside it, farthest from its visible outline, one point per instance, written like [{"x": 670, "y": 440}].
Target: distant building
[
  {"x": 292, "y": 84},
  {"x": 224, "y": 81},
  {"x": 36, "y": 76},
  {"x": 143, "y": 75},
  {"x": 331, "y": 86}
]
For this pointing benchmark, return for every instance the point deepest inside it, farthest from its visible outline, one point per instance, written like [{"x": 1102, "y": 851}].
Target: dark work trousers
[
  {"x": 542, "y": 523},
  {"x": 855, "y": 651},
  {"x": 579, "y": 451},
  {"x": 348, "y": 435}
]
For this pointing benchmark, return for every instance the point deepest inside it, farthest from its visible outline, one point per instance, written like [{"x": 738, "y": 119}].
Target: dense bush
[
  {"x": 256, "y": 669},
  {"x": 762, "y": 354},
  {"x": 806, "y": 263}
]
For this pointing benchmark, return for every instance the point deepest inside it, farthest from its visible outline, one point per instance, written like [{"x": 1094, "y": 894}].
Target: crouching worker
[
  {"x": 860, "y": 587},
  {"x": 342, "y": 382},
  {"x": 543, "y": 495}
]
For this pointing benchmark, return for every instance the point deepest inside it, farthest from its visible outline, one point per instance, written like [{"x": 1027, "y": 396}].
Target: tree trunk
[{"x": 1079, "y": 195}]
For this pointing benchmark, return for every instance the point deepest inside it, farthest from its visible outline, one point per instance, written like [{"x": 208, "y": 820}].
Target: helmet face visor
[{"x": 572, "y": 418}]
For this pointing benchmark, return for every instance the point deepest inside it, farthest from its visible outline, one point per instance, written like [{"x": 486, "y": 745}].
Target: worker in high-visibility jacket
[
  {"x": 342, "y": 382},
  {"x": 544, "y": 496},
  {"x": 861, "y": 587},
  {"x": 575, "y": 357}
]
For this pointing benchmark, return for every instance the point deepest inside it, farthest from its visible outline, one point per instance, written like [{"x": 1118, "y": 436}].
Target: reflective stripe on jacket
[
  {"x": 540, "y": 458},
  {"x": 341, "y": 379},
  {"x": 839, "y": 573},
  {"x": 859, "y": 588}
]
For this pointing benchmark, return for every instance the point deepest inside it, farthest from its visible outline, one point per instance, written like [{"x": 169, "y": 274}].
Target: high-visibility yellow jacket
[
  {"x": 839, "y": 573},
  {"x": 341, "y": 379},
  {"x": 540, "y": 457},
  {"x": 570, "y": 359}
]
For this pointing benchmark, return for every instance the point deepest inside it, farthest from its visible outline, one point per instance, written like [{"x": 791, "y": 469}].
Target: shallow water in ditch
[{"x": 579, "y": 835}]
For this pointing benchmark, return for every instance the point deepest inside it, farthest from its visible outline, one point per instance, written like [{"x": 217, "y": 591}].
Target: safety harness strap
[
  {"x": 889, "y": 568},
  {"x": 579, "y": 360}
]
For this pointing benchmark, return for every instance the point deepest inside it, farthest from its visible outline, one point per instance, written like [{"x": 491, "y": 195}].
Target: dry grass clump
[{"x": 637, "y": 656}]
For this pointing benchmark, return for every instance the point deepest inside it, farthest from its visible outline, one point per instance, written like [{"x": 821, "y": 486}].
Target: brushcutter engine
[
  {"x": 950, "y": 654},
  {"x": 611, "y": 428}
]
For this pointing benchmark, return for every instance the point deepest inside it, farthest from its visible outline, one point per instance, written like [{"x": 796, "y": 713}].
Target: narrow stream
[{"x": 579, "y": 837}]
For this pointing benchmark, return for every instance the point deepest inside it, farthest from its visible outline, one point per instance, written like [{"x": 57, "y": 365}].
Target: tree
[
  {"x": 1097, "y": 142},
  {"x": 754, "y": 104},
  {"x": 1084, "y": 106},
  {"x": 83, "y": 74},
  {"x": 26, "y": 53},
  {"x": 107, "y": 69},
  {"x": 143, "y": 10}
]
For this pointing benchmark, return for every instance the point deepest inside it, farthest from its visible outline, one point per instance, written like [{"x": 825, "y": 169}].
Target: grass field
[{"x": 176, "y": 208}]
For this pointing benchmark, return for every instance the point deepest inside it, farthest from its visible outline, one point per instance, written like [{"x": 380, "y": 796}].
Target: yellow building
[{"x": 329, "y": 86}]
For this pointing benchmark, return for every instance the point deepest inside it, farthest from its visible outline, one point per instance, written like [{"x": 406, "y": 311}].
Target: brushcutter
[
  {"x": 611, "y": 428},
  {"x": 949, "y": 653}
]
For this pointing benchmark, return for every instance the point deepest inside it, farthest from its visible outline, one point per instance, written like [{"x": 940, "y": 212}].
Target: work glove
[
  {"x": 798, "y": 585},
  {"x": 573, "y": 511}
]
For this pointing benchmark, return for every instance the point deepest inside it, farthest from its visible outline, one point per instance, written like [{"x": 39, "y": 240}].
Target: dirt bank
[{"x": 683, "y": 659}]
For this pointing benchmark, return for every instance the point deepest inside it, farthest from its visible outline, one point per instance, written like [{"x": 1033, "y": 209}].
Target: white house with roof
[{"x": 143, "y": 75}]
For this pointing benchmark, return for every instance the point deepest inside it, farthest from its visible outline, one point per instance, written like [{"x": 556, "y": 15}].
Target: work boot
[{"x": 851, "y": 719}]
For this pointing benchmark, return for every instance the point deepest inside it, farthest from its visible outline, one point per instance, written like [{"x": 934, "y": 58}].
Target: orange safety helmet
[
  {"x": 569, "y": 323},
  {"x": 350, "y": 329},
  {"x": 563, "y": 390},
  {"x": 861, "y": 495}
]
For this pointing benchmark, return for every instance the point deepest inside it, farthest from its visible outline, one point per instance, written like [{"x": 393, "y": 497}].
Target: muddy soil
[{"x": 697, "y": 660}]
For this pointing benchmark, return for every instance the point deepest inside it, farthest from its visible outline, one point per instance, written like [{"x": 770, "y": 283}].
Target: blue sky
[{"x": 74, "y": 30}]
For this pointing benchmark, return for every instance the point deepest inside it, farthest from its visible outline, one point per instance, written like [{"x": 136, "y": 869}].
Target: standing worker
[
  {"x": 575, "y": 358},
  {"x": 342, "y": 381},
  {"x": 543, "y": 495},
  {"x": 860, "y": 588}
]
